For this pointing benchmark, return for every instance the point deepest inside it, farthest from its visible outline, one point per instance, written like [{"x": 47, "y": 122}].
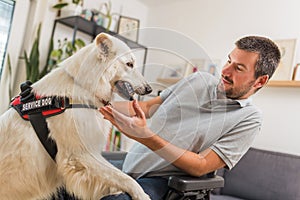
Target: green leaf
[
  {"x": 60, "y": 5},
  {"x": 28, "y": 68},
  {"x": 79, "y": 43},
  {"x": 32, "y": 62},
  {"x": 10, "y": 77},
  {"x": 47, "y": 67},
  {"x": 55, "y": 54},
  {"x": 76, "y": 1}
]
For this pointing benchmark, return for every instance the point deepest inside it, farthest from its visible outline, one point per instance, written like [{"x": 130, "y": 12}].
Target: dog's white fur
[{"x": 26, "y": 169}]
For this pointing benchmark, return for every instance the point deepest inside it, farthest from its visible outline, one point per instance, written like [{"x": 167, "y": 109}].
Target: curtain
[
  {"x": 13, "y": 45},
  {"x": 6, "y": 15}
]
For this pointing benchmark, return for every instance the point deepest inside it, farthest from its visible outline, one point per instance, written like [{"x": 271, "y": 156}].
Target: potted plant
[
  {"x": 63, "y": 4},
  {"x": 65, "y": 50},
  {"x": 105, "y": 12},
  {"x": 32, "y": 61}
]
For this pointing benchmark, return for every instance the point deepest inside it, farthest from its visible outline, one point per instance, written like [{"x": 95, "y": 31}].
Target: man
[{"x": 198, "y": 125}]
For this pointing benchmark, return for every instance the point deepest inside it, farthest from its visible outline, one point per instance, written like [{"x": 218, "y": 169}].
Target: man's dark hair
[{"x": 269, "y": 54}]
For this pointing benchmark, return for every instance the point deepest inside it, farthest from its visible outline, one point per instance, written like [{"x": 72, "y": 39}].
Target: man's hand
[{"x": 134, "y": 127}]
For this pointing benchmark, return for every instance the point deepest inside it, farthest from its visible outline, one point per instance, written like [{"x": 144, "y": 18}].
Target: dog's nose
[{"x": 148, "y": 89}]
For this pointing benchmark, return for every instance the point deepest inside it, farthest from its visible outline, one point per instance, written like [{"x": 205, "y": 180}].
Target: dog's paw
[
  {"x": 139, "y": 195},
  {"x": 135, "y": 190},
  {"x": 143, "y": 196}
]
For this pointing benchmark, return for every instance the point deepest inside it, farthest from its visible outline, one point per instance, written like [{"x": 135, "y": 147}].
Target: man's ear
[
  {"x": 104, "y": 45},
  {"x": 261, "y": 81}
]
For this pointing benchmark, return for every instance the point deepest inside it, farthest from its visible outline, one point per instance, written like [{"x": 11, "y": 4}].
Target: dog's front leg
[{"x": 92, "y": 177}]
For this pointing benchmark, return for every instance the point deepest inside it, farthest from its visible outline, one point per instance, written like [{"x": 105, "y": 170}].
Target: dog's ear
[{"x": 104, "y": 45}]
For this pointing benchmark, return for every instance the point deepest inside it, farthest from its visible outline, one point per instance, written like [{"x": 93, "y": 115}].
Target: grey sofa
[{"x": 261, "y": 175}]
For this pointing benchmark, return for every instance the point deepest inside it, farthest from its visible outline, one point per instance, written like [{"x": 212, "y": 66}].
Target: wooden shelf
[
  {"x": 284, "y": 84},
  {"x": 169, "y": 81},
  {"x": 270, "y": 84}
]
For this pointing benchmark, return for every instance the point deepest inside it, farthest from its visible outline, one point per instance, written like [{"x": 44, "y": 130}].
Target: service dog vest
[{"x": 37, "y": 110}]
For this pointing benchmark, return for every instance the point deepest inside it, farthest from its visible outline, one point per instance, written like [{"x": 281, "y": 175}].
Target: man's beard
[{"x": 234, "y": 93}]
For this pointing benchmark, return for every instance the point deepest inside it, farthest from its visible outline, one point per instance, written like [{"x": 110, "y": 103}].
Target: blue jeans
[{"x": 155, "y": 187}]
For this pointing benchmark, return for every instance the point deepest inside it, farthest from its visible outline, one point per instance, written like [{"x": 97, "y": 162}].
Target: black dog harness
[{"x": 38, "y": 110}]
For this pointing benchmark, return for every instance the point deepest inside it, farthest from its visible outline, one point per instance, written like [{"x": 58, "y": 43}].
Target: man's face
[{"x": 238, "y": 79}]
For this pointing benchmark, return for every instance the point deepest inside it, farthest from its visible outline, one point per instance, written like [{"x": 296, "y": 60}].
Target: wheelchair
[{"x": 181, "y": 187}]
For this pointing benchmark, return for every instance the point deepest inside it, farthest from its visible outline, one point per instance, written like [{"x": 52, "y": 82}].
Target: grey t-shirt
[{"x": 193, "y": 118}]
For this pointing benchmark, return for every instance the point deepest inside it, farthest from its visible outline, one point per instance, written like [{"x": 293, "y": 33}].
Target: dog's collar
[{"x": 105, "y": 103}]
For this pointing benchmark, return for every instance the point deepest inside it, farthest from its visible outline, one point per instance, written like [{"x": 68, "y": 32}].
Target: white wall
[
  {"x": 281, "y": 125},
  {"x": 216, "y": 25}
]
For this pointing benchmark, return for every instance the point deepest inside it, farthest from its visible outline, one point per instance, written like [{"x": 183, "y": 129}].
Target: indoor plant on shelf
[
  {"x": 109, "y": 22},
  {"x": 75, "y": 8},
  {"x": 55, "y": 56},
  {"x": 33, "y": 60},
  {"x": 65, "y": 49}
]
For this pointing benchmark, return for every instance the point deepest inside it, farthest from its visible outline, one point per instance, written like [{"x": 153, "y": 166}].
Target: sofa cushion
[{"x": 262, "y": 175}]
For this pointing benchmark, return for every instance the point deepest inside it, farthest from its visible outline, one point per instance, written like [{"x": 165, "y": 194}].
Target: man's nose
[{"x": 227, "y": 69}]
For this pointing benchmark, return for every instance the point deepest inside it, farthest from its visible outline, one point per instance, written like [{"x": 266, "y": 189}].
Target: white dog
[{"x": 88, "y": 77}]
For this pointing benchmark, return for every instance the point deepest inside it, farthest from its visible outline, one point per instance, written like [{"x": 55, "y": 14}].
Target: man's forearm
[{"x": 190, "y": 162}]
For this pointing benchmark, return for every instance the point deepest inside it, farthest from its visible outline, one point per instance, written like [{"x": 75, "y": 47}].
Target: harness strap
[{"x": 39, "y": 125}]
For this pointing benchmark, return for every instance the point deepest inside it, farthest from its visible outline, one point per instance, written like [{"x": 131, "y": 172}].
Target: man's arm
[
  {"x": 136, "y": 128},
  {"x": 190, "y": 162},
  {"x": 149, "y": 107}
]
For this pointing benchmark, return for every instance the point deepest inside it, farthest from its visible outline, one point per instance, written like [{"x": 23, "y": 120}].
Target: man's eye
[
  {"x": 229, "y": 61},
  {"x": 129, "y": 64},
  {"x": 238, "y": 68}
]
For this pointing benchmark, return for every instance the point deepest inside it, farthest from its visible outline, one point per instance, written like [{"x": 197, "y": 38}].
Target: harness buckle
[{"x": 65, "y": 103}]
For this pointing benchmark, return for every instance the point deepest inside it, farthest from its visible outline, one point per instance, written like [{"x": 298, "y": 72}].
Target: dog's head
[{"x": 124, "y": 78}]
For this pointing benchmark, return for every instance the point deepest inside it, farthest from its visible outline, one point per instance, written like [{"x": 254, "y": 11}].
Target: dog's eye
[{"x": 129, "y": 64}]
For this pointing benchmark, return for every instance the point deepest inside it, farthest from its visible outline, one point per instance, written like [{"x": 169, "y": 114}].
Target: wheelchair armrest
[
  {"x": 180, "y": 183},
  {"x": 116, "y": 158},
  {"x": 190, "y": 183},
  {"x": 114, "y": 155}
]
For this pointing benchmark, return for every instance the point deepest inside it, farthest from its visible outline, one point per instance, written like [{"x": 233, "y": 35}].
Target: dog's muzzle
[{"x": 126, "y": 91}]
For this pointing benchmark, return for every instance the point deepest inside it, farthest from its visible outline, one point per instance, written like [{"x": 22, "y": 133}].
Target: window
[{"x": 6, "y": 14}]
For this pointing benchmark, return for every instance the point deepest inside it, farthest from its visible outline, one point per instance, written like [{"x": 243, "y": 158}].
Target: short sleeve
[{"x": 234, "y": 144}]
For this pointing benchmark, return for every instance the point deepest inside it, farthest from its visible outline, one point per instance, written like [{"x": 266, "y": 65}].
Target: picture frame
[
  {"x": 129, "y": 28},
  {"x": 213, "y": 67},
  {"x": 284, "y": 70},
  {"x": 173, "y": 71},
  {"x": 203, "y": 65},
  {"x": 296, "y": 73}
]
